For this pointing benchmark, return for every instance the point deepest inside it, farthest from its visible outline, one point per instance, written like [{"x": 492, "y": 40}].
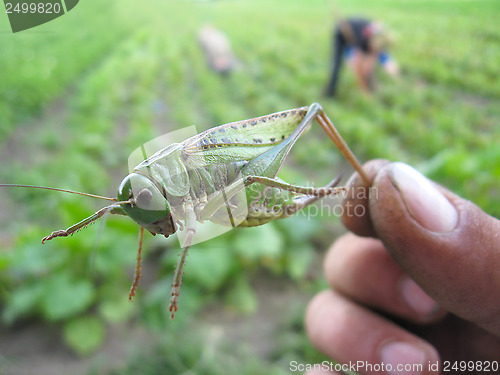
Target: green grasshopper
[{"x": 226, "y": 175}]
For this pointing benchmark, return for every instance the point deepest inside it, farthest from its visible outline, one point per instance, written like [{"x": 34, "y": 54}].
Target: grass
[{"x": 80, "y": 93}]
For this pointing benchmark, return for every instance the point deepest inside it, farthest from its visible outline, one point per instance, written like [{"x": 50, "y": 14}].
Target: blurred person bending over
[
  {"x": 217, "y": 49},
  {"x": 362, "y": 42}
]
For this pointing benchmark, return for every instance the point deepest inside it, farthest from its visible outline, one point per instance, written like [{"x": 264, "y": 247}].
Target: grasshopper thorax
[{"x": 149, "y": 207}]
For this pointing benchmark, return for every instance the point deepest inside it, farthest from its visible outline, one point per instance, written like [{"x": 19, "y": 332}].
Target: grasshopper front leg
[
  {"x": 137, "y": 274},
  {"x": 82, "y": 224},
  {"x": 179, "y": 268}
]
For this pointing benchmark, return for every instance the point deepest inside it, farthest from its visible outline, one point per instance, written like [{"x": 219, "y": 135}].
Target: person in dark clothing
[{"x": 362, "y": 42}]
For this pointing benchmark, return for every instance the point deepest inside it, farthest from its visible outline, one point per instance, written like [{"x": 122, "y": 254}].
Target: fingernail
[
  {"x": 402, "y": 358},
  {"x": 416, "y": 298},
  {"x": 423, "y": 201}
]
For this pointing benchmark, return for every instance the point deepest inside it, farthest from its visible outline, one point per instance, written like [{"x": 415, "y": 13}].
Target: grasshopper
[{"x": 202, "y": 177}]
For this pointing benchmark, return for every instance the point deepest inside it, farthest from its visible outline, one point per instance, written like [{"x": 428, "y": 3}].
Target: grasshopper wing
[{"x": 242, "y": 140}]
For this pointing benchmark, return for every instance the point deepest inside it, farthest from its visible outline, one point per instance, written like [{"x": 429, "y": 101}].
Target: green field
[{"x": 79, "y": 94}]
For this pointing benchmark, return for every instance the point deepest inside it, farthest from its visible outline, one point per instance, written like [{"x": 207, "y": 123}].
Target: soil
[{"x": 37, "y": 348}]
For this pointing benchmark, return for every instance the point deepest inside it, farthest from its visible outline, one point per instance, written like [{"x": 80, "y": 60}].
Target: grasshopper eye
[
  {"x": 144, "y": 198},
  {"x": 143, "y": 193}
]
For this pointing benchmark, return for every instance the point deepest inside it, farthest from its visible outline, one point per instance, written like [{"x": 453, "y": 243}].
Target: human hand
[
  {"x": 418, "y": 282},
  {"x": 392, "y": 68}
]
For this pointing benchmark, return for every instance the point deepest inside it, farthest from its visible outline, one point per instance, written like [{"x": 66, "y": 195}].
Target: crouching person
[
  {"x": 217, "y": 49},
  {"x": 362, "y": 43}
]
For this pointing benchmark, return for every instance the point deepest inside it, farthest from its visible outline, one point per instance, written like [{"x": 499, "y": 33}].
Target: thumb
[{"x": 445, "y": 243}]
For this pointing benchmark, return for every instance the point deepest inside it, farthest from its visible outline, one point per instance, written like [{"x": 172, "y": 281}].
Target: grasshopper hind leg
[
  {"x": 316, "y": 193},
  {"x": 261, "y": 213},
  {"x": 306, "y": 200},
  {"x": 332, "y": 132}
]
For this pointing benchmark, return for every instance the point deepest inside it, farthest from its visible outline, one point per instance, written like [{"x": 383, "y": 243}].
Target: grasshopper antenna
[
  {"x": 61, "y": 190},
  {"x": 85, "y": 222}
]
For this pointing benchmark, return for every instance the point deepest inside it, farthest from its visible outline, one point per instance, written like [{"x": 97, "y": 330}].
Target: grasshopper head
[{"x": 149, "y": 209}]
